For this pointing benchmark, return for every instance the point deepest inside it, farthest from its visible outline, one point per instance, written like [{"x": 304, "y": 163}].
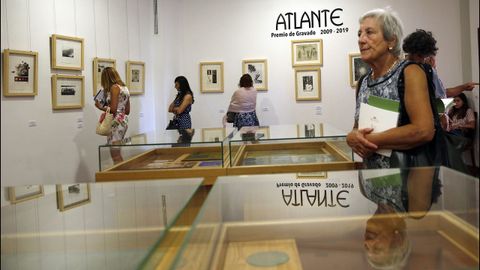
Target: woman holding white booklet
[{"x": 379, "y": 40}]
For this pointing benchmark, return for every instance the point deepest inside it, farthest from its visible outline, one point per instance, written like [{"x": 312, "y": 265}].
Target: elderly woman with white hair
[{"x": 379, "y": 40}]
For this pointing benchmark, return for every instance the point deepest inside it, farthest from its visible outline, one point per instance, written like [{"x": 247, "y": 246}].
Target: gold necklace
[{"x": 389, "y": 69}]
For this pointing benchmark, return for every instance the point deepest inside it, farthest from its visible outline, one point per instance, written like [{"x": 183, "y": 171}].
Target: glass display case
[
  {"x": 89, "y": 226},
  {"x": 170, "y": 154},
  {"x": 289, "y": 148},
  {"x": 423, "y": 218}
]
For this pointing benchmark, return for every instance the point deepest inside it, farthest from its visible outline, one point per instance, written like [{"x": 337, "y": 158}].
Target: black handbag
[
  {"x": 231, "y": 117},
  {"x": 173, "y": 124},
  {"x": 444, "y": 149}
]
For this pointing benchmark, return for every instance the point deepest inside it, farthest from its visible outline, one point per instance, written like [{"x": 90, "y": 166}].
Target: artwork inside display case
[
  {"x": 307, "y": 52},
  {"x": 258, "y": 70},
  {"x": 211, "y": 77},
  {"x": 67, "y": 92},
  {"x": 24, "y": 193},
  {"x": 20, "y": 73},
  {"x": 307, "y": 83},
  {"x": 72, "y": 195},
  {"x": 358, "y": 68},
  {"x": 99, "y": 64},
  {"x": 67, "y": 52},
  {"x": 135, "y": 77}
]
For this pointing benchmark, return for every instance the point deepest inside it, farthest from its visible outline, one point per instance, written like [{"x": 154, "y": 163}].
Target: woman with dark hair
[
  {"x": 460, "y": 118},
  {"x": 182, "y": 104},
  {"x": 243, "y": 103}
]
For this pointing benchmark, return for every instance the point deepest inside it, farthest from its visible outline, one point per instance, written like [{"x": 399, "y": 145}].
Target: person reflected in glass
[
  {"x": 182, "y": 104},
  {"x": 118, "y": 100},
  {"x": 407, "y": 194},
  {"x": 244, "y": 103},
  {"x": 460, "y": 119}
]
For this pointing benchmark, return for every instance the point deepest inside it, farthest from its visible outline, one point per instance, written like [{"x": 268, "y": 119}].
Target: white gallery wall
[{"x": 62, "y": 146}]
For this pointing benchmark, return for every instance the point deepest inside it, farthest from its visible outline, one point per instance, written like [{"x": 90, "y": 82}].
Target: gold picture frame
[
  {"x": 211, "y": 77},
  {"x": 67, "y": 52},
  {"x": 99, "y": 64},
  {"x": 20, "y": 73},
  {"x": 308, "y": 83},
  {"x": 358, "y": 68},
  {"x": 312, "y": 175},
  {"x": 23, "y": 193},
  {"x": 213, "y": 134},
  {"x": 258, "y": 70},
  {"x": 72, "y": 196},
  {"x": 68, "y": 92},
  {"x": 308, "y": 52},
  {"x": 135, "y": 71}
]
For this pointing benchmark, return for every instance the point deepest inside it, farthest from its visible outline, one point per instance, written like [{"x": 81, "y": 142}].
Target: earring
[{"x": 390, "y": 48}]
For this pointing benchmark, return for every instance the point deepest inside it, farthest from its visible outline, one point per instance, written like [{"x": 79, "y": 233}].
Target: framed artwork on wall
[
  {"x": 358, "y": 68},
  {"x": 307, "y": 52},
  {"x": 24, "y": 193},
  {"x": 258, "y": 69},
  {"x": 99, "y": 64},
  {"x": 20, "y": 73},
  {"x": 136, "y": 77},
  {"x": 211, "y": 77},
  {"x": 72, "y": 195},
  {"x": 67, "y": 92},
  {"x": 309, "y": 130},
  {"x": 213, "y": 134},
  {"x": 307, "y": 83},
  {"x": 67, "y": 52}
]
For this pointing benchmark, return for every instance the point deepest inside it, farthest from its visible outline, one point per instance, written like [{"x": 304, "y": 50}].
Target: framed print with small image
[
  {"x": 72, "y": 195},
  {"x": 67, "y": 52},
  {"x": 136, "y": 77},
  {"x": 309, "y": 130},
  {"x": 20, "y": 73},
  {"x": 213, "y": 134},
  {"x": 211, "y": 77},
  {"x": 307, "y": 83},
  {"x": 258, "y": 70},
  {"x": 24, "y": 193},
  {"x": 358, "y": 68},
  {"x": 67, "y": 92},
  {"x": 99, "y": 64},
  {"x": 307, "y": 52}
]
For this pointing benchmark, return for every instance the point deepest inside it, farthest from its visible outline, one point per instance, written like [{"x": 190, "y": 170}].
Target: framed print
[
  {"x": 138, "y": 139},
  {"x": 72, "y": 195},
  {"x": 67, "y": 92},
  {"x": 307, "y": 83},
  {"x": 313, "y": 175},
  {"x": 258, "y": 69},
  {"x": 211, "y": 77},
  {"x": 213, "y": 134},
  {"x": 20, "y": 73},
  {"x": 67, "y": 52},
  {"x": 136, "y": 77},
  {"x": 307, "y": 52},
  {"x": 99, "y": 64},
  {"x": 358, "y": 68},
  {"x": 24, "y": 193},
  {"x": 309, "y": 130}
]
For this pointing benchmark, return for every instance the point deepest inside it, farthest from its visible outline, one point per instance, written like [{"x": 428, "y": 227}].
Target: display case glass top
[
  {"x": 292, "y": 147},
  {"x": 89, "y": 226},
  {"x": 424, "y": 218},
  {"x": 204, "y": 140}
]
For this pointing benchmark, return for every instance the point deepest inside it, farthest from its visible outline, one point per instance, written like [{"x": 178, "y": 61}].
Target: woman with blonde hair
[{"x": 118, "y": 99}]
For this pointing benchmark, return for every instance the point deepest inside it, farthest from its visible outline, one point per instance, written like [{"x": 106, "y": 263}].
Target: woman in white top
[{"x": 243, "y": 103}]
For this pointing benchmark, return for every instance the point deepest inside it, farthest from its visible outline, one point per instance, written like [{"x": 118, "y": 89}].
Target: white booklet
[{"x": 379, "y": 117}]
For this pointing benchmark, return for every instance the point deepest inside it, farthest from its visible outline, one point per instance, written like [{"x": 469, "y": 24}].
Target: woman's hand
[{"x": 359, "y": 144}]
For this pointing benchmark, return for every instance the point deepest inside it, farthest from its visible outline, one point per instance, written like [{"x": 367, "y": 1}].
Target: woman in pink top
[
  {"x": 460, "y": 118},
  {"x": 243, "y": 103}
]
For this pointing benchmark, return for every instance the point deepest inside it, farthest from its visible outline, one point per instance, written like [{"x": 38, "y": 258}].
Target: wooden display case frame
[
  {"x": 131, "y": 169},
  {"x": 344, "y": 162}
]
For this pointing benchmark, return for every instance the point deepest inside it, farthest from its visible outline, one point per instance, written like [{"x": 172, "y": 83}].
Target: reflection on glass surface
[
  {"x": 140, "y": 143},
  {"x": 424, "y": 218},
  {"x": 115, "y": 229}
]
